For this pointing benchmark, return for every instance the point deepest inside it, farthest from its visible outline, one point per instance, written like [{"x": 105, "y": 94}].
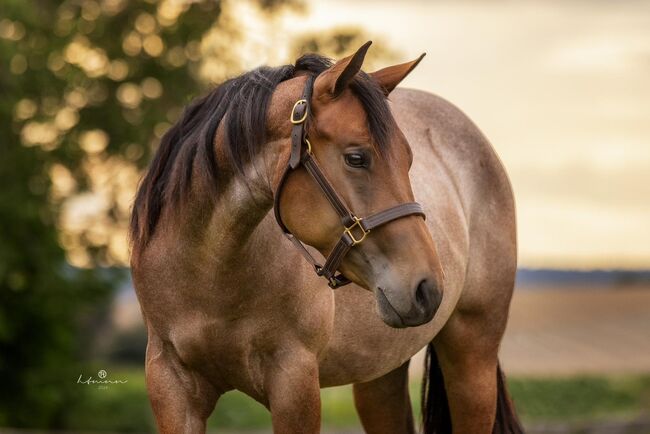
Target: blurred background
[{"x": 88, "y": 87}]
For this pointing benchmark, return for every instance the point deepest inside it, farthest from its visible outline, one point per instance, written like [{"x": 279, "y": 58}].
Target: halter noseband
[{"x": 355, "y": 228}]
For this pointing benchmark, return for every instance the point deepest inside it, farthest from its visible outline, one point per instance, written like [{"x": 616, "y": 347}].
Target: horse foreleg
[
  {"x": 384, "y": 404},
  {"x": 294, "y": 393},
  {"x": 181, "y": 399}
]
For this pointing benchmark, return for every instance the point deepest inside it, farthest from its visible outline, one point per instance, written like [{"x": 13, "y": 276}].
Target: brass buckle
[
  {"x": 308, "y": 145},
  {"x": 357, "y": 223},
  {"x": 293, "y": 110}
]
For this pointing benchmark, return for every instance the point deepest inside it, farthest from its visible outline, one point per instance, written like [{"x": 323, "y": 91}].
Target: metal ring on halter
[
  {"x": 293, "y": 112},
  {"x": 348, "y": 231}
]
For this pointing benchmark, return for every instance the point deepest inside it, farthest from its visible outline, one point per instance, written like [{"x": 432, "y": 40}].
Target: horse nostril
[
  {"x": 427, "y": 296},
  {"x": 423, "y": 294}
]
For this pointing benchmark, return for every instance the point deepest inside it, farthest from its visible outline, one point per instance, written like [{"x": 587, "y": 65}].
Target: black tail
[
  {"x": 506, "y": 421},
  {"x": 435, "y": 408}
]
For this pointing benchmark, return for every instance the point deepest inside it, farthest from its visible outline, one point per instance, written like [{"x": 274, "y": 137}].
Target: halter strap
[{"x": 355, "y": 229}]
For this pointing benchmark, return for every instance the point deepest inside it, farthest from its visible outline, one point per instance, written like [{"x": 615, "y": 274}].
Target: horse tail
[
  {"x": 435, "y": 408},
  {"x": 506, "y": 421},
  {"x": 436, "y": 418}
]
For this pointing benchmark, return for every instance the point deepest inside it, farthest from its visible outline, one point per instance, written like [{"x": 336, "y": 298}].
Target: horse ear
[
  {"x": 389, "y": 77},
  {"x": 335, "y": 79}
]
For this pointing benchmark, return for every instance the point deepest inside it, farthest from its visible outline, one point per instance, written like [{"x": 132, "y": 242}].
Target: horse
[{"x": 319, "y": 158}]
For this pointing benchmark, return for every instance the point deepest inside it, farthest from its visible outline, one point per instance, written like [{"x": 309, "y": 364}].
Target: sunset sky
[{"x": 562, "y": 89}]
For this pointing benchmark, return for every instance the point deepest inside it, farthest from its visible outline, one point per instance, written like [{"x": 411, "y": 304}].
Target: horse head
[{"x": 365, "y": 158}]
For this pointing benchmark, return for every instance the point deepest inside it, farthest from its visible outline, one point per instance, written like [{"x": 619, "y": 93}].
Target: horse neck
[
  {"x": 246, "y": 200},
  {"x": 225, "y": 229},
  {"x": 222, "y": 233},
  {"x": 241, "y": 206}
]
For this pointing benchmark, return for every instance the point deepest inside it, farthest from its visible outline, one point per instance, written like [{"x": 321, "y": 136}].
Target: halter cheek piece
[{"x": 355, "y": 228}]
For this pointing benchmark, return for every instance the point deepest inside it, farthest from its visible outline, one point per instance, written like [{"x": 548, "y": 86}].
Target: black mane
[{"x": 243, "y": 102}]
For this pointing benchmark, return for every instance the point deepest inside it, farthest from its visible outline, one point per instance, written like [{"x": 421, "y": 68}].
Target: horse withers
[{"x": 234, "y": 295}]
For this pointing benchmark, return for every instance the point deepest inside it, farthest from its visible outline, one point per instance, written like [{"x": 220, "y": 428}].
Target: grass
[
  {"x": 237, "y": 411},
  {"x": 581, "y": 398},
  {"x": 124, "y": 407}
]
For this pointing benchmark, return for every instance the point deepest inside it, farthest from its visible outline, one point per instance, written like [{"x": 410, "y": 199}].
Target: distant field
[{"x": 578, "y": 329}]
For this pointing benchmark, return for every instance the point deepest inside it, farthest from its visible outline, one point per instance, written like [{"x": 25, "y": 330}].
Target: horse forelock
[{"x": 242, "y": 104}]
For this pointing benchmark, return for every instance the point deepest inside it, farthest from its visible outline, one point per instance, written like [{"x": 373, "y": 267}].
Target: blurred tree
[
  {"x": 336, "y": 43},
  {"x": 88, "y": 87}
]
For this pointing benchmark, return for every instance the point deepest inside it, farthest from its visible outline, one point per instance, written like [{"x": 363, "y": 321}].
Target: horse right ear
[
  {"x": 331, "y": 82},
  {"x": 388, "y": 78}
]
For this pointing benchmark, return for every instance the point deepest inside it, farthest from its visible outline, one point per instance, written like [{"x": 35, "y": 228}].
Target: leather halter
[{"x": 355, "y": 228}]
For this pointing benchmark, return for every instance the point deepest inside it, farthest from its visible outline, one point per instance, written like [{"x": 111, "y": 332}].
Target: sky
[{"x": 561, "y": 89}]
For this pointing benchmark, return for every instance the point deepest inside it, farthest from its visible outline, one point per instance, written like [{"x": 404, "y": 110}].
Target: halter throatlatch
[{"x": 355, "y": 229}]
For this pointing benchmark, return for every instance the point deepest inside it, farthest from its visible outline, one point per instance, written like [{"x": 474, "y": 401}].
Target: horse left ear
[
  {"x": 389, "y": 77},
  {"x": 335, "y": 79}
]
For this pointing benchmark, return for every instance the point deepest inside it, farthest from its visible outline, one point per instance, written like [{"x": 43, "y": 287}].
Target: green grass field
[{"x": 125, "y": 407}]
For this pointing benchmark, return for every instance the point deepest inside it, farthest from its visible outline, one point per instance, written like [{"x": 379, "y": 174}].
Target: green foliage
[
  {"x": 93, "y": 85},
  {"x": 41, "y": 298}
]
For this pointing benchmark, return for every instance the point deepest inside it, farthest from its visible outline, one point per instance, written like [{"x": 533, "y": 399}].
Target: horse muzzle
[{"x": 399, "y": 312}]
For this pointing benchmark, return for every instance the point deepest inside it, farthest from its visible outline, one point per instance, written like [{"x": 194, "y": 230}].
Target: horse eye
[{"x": 356, "y": 160}]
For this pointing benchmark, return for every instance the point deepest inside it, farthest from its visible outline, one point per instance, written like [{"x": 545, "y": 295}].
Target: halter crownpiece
[{"x": 355, "y": 229}]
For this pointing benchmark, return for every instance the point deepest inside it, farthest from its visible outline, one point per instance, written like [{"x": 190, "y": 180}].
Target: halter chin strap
[{"x": 355, "y": 229}]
